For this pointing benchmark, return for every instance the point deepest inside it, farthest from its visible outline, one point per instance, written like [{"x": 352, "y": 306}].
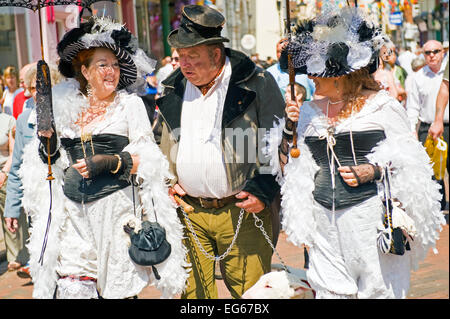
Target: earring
[{"x": 89, "y": 90}]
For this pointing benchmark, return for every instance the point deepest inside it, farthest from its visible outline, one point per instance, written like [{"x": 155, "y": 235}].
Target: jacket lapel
[
  {"x": 236, "y": 102},
  {"x": 170, "y": 105}
]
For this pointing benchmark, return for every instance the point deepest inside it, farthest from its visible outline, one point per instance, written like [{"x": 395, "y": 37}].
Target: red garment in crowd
[{"x": 19, "y": 100}]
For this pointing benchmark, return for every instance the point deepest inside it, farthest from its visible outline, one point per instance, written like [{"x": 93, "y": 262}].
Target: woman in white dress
[
  {"x": 352, "y": 142},
  {"x": 101, "y": 139}
]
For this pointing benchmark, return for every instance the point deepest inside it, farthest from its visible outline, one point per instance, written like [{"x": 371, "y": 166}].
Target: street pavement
[{"x": 430, "y": 281}]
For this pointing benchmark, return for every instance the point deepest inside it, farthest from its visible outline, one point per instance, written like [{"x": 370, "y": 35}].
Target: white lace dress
[
  {"x": 88, "y": 239},
  {"x": 345, "y": 261}
]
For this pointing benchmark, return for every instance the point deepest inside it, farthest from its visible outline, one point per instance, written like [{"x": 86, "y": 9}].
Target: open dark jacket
[{"x": 253, "y": 102}]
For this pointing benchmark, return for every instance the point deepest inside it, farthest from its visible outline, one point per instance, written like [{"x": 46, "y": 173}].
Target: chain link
[
  {"x": 199, "y": 244},
  {"x": 258, "y": 224}
]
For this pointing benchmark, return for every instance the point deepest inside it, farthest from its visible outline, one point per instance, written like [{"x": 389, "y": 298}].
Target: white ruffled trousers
[{"x": 345, "y": 261}]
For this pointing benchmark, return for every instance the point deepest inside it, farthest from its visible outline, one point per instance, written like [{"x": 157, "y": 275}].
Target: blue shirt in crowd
[
  {"x": 24, "y": 133},
  {"x": 282, "y": 78}
]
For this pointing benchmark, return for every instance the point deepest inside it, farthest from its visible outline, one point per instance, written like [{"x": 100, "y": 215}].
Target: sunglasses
[{"x": 433, "y": 51}]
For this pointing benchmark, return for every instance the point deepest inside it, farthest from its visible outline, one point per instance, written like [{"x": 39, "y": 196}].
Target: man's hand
[
  {"x": 176, "y": 190},
  {"x": 436, "y": 129},
  {"x": 12, "y": 224},
  {"x": 251, "y": 204}
]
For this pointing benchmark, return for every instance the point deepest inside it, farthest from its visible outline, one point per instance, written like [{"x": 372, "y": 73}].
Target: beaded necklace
[
  {"x": 354, "y": 105},
  {"x": 87, "y": 117}
]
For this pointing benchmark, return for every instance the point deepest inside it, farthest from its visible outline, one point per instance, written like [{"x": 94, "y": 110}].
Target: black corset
[
  {"x": 78, "y": 189},
  {"x": 345, "y": 196}
]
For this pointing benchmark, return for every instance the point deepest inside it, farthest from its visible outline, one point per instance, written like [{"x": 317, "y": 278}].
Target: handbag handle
[{"x": 133, "y": 180}]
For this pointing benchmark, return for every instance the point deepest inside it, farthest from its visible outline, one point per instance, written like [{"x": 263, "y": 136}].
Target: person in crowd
[
  {"x": 416, "y": 64},
  {"x": 406, "y": 57},
  {"x": 421, "y": 103},
  {"x": 398, "y": 73},
  {"x": 164, "y": 71},
  {"x": 282, "y": 77},
  {"x": 20, "y": 99},
  {"x": 13, "y": 241},
  {"x": 2, "y": 88},
  {"x": 356, "y": 149},
  {"x": 150, "y": 95},
  {"x": 11, "y": 78},
  {"x": 300, "y": 93},
  {"x": 437, "y": 128},
  {"x": 214, "y": 92},
  {"x": 100, "y": 143},
  {"x": 15, "y": 217},
  {"x": 383, "y": 75},
  {"x": 175, "y": 59}
]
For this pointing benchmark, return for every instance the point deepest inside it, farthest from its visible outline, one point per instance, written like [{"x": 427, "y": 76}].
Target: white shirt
[
  {"x": 162, "y": 74},
  {"x": 421, "y": 102},
  {"x": 200, "y": 164},
  {"x": 9, "y": 100},
  {"x": 405, "y": 60}
]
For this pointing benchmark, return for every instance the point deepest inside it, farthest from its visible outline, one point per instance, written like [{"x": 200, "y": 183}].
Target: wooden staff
[{"x": 295, "y": 152}]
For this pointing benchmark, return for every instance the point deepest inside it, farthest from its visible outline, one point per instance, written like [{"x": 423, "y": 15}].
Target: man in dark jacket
[{"x": 214, "y": 112}]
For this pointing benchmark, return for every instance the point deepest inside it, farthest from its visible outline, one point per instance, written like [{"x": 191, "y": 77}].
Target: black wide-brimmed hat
[
  {"x": 198, "y": 25},
  {"x": 335, "y": 43},
  {"x": 104, "y": 33}
]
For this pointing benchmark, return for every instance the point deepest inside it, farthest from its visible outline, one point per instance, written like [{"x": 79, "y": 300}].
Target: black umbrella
[{"x": 44, "y": 109}]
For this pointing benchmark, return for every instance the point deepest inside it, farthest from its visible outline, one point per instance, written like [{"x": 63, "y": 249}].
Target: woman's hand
[
  {"x": 356, "y": 175},
  {"x": 292, "y": 110},
  {"x": 292, "y": 107},
  {"x": 81, "y": 167}
]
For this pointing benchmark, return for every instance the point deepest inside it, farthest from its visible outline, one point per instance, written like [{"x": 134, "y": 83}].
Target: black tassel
[{"x": 155, "y": 272}]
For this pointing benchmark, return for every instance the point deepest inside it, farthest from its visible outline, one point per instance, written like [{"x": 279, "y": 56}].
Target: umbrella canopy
[
  {"x": 36, "y": 4},
  {"x": 44, "y": 109}
]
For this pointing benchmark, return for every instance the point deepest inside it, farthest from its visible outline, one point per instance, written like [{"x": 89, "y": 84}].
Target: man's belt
[{"x": 213, "y": 202}]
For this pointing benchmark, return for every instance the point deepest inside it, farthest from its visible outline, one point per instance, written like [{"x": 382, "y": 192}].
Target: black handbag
[
  {"x": 391, "y": 240},
  {"x": 149, "y": 245}
]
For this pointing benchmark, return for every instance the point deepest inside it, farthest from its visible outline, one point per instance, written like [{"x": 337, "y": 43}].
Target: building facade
[{"x": 253, "y": 26}]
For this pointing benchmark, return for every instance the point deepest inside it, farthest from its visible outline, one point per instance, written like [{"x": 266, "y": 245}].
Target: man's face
[
  {"x": 197, "y": 64},
  {"x": 434, "y": 54}
]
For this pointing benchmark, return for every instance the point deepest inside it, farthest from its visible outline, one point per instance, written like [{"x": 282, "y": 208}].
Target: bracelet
[
  {"x": 377, "y": 172},
  {"x": 119, "y": 164},
  {"x": 287, "y": 132}
]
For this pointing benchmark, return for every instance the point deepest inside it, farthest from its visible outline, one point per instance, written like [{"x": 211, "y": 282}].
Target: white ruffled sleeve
[
  {"x": 153, "y": 171},
  {"x": 411, "y": 181},
  {"x": 297, "y": 201},
  {"x": 297, "y": 183}
]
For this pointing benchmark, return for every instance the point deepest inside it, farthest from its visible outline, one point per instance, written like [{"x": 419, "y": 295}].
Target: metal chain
[
  {"x": 258, "y": 224},
  {"x": 199, "y": 244}
]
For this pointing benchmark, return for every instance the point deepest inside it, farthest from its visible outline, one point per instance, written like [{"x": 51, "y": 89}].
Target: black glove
[{"x": 101, "y": 163}]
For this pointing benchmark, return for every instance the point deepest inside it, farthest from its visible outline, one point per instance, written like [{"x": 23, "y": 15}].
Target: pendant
[{"x": 86, "y": 136}]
